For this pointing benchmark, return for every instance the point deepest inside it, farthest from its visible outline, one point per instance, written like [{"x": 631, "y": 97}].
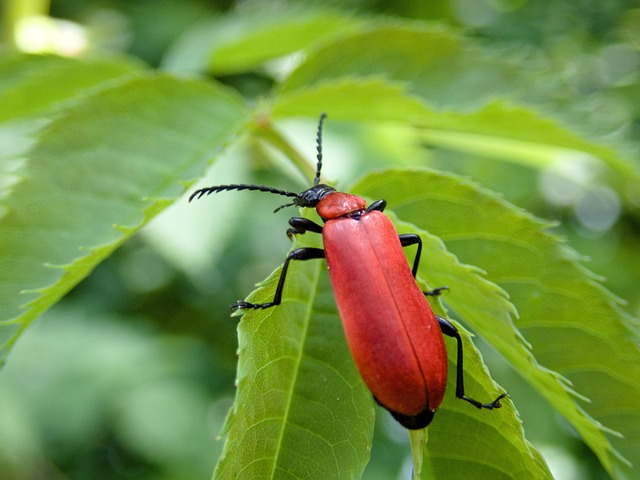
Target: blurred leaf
[
  {"x": 270, "y": 34},
  {"x": 21, "y": 81},
  {"x": 522, "y": 135},
  {"x": 244, "y": 41},
  {"x": 447, "y": 71},
  {"x": 96, "y": 175},
  {"x": 27, "y": 106},
  {"x": 72, "y": 375},
  {"x": 355, "y": 99},
  {"x": 434, "y": 61},
  {"x": 497, "y": 130},
  {"x": 385, "y": 48},
  {"x": 574, "y": 324}
]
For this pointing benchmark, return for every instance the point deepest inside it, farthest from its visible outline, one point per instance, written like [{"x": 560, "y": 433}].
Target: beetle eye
[{"x": 310, "y": 198}]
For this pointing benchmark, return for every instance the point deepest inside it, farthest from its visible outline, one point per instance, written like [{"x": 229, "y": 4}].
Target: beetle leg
[
  {"x": 450, "y": 330},
  {"x": 302, "y": 225},
  {"x": 408, "y": 239},
  {"x": 378, "y": 205},
  {"x": 298, "y": 254},
  {"x": 436, "y": 291}
]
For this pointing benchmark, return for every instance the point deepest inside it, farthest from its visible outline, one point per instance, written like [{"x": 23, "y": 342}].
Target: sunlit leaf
[
  {"x": 435, "y": 62},
  {"x": 31, "y": 85},
  {"x": 33, "y": 88},
  {"x": 352, "y": 99}
]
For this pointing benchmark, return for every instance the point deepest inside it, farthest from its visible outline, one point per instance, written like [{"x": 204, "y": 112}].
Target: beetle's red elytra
[
  {"x": 392, "y": 332},
  {"x": 395, "y": 338}
]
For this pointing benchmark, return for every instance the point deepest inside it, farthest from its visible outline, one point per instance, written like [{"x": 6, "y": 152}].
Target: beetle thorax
[{"x": 337, "y": 204}]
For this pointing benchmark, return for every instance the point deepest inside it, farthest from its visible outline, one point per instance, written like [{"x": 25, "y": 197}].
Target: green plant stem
[
  {"x": 266, "y": 131},
  {"x": 418, "y": 440},
  {"x": 531, "y": 154}
]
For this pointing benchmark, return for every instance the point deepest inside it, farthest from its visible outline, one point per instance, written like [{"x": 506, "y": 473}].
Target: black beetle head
[{"x": 310, "y": 197}]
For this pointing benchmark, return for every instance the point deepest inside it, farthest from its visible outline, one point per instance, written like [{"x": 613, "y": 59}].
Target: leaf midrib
[{"x": 298, "y": 362}]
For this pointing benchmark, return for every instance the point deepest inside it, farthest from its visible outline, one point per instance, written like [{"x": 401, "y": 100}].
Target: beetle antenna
[
  {"x": 221, "y": 188},
  {"x": 284, "y": 206},
  {"x": 316, "y": 181}
]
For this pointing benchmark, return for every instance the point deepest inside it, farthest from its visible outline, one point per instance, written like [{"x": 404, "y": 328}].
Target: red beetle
[{"x": 394, "y": 336}]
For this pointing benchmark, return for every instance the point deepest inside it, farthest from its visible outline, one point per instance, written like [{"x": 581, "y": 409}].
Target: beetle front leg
[
  {"x": 379, "y": 205},
  {"x": 301, "y": 225},
  {"x": 450, "y": 330},
  {"x": 307, "y": 253}
]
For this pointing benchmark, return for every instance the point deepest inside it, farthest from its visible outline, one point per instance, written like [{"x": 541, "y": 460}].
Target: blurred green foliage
[{"x": 132, "y": 373}]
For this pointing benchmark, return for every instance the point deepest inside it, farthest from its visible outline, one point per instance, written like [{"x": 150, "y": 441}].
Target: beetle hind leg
[
  {"x": 242, "y": 305},
  {"x": 436, "y": 291},
  {"x": 450, "y": 330},
  {"x": 489, "y": 406}
]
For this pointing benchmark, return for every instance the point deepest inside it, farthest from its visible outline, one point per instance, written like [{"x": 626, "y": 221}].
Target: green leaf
[
  {"x": 301, "y": 410},
  {"x": 354, "y": 99},
  {"x": 95, "y": 176},
  {"x": 497, "y": 130},
  {"x": 244, "y": 41},
  {"x": 522, "y": 135},
  {"x": 271, "y": 35},
  {"x": 446, "y": 72},
  {"x": 434, "y": 61},
  {"x": 22, "y": 79},
  {"x": 478, "y": 444},
  {"x": 297, "y": 385},
  {"x": 487, "y": 308},
  {"x": 396, "y": 50},
  {"x": 575, "y": 326},
  {"x": 27, "y": 106}
]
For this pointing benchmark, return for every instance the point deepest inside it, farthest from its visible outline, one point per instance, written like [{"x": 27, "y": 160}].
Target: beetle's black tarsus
[
  {"x": 242, "y": 305},
  {"x": 489, "y": 406},
  {"x": 450, "y": 330},
  {"x": 436, "y": 291}
]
